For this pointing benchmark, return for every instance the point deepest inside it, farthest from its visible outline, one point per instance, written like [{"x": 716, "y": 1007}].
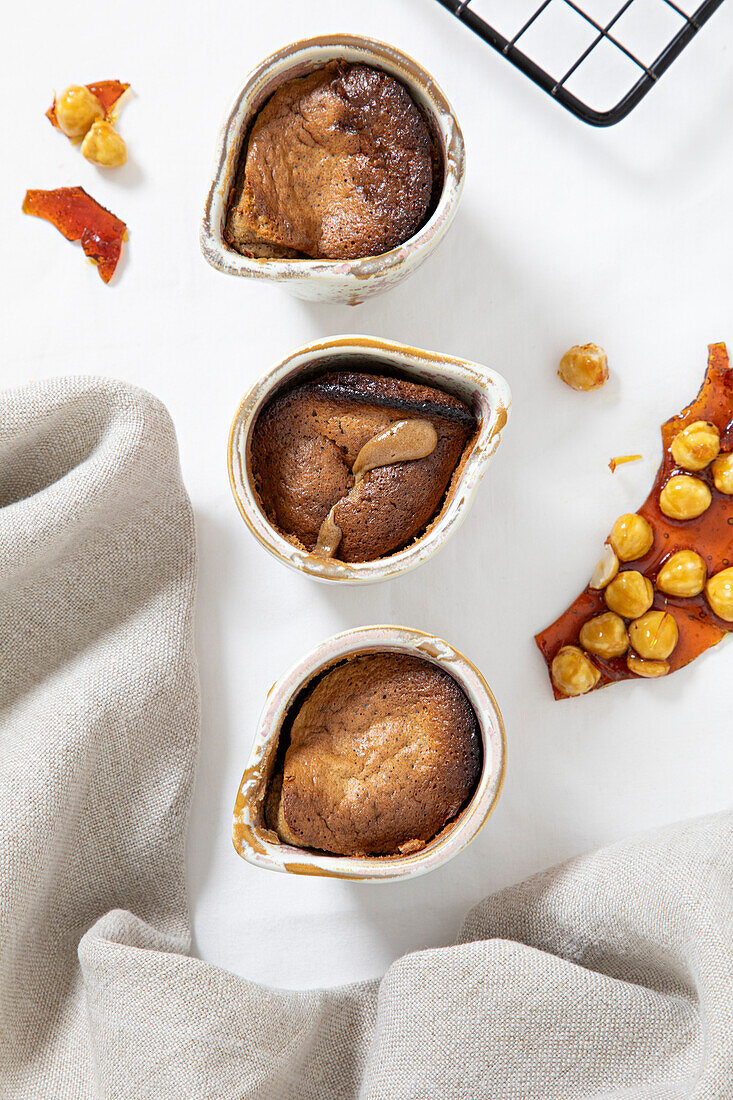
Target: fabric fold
[
  {"x": 608, "y": 978},
  {"x": 98, "y": 702}
]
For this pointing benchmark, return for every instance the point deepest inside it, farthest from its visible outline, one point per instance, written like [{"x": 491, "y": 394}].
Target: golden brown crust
[
  {"x": 339, "y": 165},
  {"x": 305, "y": 443},
  {"x": 384, "y": 752}
]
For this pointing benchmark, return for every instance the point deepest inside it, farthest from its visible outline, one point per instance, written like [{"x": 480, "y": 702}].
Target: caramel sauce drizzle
[
  {"x": 710, "y": 535},
  {"x": 403, "y": 441}
]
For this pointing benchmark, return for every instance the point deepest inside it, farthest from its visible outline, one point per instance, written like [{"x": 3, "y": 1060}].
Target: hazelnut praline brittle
[
  {"x": 381, "y": 754},
  {"x": 666, "y": 574}
]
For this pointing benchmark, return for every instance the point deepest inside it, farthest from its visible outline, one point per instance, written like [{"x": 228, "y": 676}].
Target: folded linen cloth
[{"x": 609, "y": 977}]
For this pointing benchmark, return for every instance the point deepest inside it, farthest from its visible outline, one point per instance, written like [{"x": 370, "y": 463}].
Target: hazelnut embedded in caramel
[
  {"x": 573, "y": 673},
  {"x": 606, "y": 568},
  {"x": 605, "y": 635},
  {"x": 650, "y": 669},
  {"x": 684, "y": 575},
  {"x": 685, "y": 497},
  {"x": 696, "y": 446},
  {"x": 632, "y": 536},
  {"x": 723, "y": 473},
  {"x": 655, "y": 635},
  {"x": 584, "y": 367},
  {"x": 630, "y": 594},
  {"x": 719, "y": 594}
]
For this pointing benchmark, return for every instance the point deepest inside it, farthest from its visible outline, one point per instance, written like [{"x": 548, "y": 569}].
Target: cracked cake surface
[
  {"x": 384, "y": 752},
  {"x": 307, "y": 439},
  {"x": 339, "y": 164}
]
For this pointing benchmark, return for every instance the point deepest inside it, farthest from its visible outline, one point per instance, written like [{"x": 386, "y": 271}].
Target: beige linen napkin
[{"x": 610, "y": 977}]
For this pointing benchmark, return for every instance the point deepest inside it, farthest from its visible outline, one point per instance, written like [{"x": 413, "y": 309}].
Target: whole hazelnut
[
  {"x": 630, "y": 594},
  {"x": 654, "y": 635},
  {"x": 605, "y": 635},
  {"x": 683, "y": 574},
  {"x": 696, "y": 446},
  {"x": 584, "y": 367},
  {"x": 632, "y": 536},
  {"x": 719, "y": 594},
  {"x": 685, "y": 497},
  {"x": 573, "y": 673},
  {"x": 76, "y": 110}
]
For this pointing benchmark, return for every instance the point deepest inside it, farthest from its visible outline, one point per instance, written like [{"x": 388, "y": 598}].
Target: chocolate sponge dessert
[
  {"x": 339, "y": 164},
  {"x": 354, "y": 466},
  {"x": 384, "y": 752}
]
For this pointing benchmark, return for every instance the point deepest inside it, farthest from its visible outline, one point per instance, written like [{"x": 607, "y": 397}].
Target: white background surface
[{"x": 566, "y": 234}]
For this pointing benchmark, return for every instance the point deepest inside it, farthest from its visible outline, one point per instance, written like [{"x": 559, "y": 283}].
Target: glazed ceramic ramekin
[
  {"x": 483, "y": 390},
  {"x": 350, "y": 281},
  {"x": 262, "y": 847}
]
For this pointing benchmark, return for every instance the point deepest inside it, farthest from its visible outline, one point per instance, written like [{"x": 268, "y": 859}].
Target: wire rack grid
[{"x": 598, "y": 58}]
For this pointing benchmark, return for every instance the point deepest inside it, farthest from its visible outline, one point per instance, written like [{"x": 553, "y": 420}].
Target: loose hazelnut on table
[
  {"x": 584, "y": 367},
  {"x": 104, "y": 146},
  {"x": 684, "y": 575},
  {"x": 632, "y": 536},
  {"x": 650, "y": 669},
  {"x": 685, "y": 497},
  {"x": 719, "y": 594},
  {"x": 723, "y": 473},
  {"x": 605, "y": 635},
  {"x": 654, "y": 635},
  {"x": 76, "y": 110},
  {"x": 573, "y": 673},
  {"x": 696, "y": 446},
  {"x": 630, "y": 594},
  {"x": 606, "y": 569}
]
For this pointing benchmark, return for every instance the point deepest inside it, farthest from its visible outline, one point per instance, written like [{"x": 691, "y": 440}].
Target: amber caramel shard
[
  {"x": 106, "y": 91},
  {"x": 682, "y": 553},
  {"x": 621, "y": 461},
  {"x": 80, "y": 218}
]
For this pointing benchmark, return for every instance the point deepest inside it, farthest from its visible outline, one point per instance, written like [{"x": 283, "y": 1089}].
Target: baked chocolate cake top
[
  {"x": 384, "y": 752},
  {"x": 338, "y": 165},
  {"x": 305, "y": 447}
]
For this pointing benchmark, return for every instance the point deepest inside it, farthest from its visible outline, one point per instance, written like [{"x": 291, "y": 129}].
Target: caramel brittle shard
[
  {"x": 621, "y": 460},
  {"x": 663, "y": 591},
  {"x": 81, "y": 218}
]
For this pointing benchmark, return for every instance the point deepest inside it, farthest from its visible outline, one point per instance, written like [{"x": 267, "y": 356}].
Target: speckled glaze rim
[
  {"x": 345, "y": 280},
  {"x": 261, "y": 847},
  {"x": 486, "y": 391}
]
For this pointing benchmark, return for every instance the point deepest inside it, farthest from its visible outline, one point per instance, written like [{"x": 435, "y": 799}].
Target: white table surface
[{"x": 566, "y": 234}]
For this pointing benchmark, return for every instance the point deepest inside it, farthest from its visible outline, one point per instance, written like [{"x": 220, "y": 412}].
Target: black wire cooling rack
[{"x": 598, "y": 58}]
